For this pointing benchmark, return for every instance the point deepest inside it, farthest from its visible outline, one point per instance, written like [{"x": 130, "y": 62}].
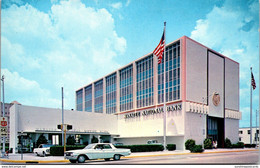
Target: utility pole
[
  {"x": 62, "y": 117},
  {"x": 2, "y": 79}
]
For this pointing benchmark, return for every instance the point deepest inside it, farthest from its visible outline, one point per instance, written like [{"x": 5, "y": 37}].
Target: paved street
[
  {"x": 177, "y": 157},
  {"x": 214, "y": 158}
]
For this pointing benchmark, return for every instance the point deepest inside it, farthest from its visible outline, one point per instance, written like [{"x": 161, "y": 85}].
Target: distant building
[
  {"x": 244, "y": 135},
  {"x": 7, "y": 114}
]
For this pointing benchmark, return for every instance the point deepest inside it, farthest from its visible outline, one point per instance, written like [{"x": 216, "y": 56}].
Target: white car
[
  {"x": 42, "y": 150},
  {"x": 96, "y": 151}
]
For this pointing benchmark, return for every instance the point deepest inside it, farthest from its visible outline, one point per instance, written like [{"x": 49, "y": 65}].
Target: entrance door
[{"x": 215, "y": 130}]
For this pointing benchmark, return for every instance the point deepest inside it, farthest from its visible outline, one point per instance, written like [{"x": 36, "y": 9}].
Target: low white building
[{"x": 244, "y": 135}]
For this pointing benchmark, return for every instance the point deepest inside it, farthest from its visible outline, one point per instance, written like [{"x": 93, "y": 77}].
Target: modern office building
[
  {"x": 202, "y": 96},
  {"x": 126, "y": 106}
]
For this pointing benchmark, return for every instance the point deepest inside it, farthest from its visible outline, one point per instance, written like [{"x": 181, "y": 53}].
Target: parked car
[
  {"x": 42, "y": 150},
  {"x": 96, "y": 151},
  {"x": 153, "y": 142}
]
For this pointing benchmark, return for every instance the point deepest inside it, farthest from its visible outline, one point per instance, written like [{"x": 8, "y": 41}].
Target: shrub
[
  {"x": 59, "y": 150},
  {"x": 207, "y": 144},
  {"x": 227, "y": 143},
  {"x": 250, "y": 145},
  {"x": 240, "y": 145},
  {"x": 142, "y": 148},
  {"x": 190, "y": 143},
  {"x": 196, "y": 149},
  {"x": 171, "y": 147}
]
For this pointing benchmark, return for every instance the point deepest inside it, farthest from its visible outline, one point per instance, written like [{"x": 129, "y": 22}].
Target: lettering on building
[{"x": 153, "y": 111}]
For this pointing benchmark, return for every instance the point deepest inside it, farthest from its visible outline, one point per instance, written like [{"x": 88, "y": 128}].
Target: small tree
[
  {"x": 207, "y": 144},
  {"x": 189, "y": 144},
  {"x": 227, "y": 143},
  {"x": 71, "y": 140},
  {"x": 41, "y": 140}
]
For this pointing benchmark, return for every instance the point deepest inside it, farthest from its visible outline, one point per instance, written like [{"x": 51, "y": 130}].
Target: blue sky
[{"x": 49, "y": 44}]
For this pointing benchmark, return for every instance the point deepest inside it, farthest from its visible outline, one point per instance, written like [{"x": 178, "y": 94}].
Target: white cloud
[
  {"x": 233, "y": 31},
  {"x": 128, "y": 2},
  {"x": 117, "y": 5},
  {"x": 69, "y": 46},
  {"x": 27, "y": 91}
]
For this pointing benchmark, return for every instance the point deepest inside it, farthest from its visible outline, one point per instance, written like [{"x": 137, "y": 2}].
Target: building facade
[
  {"x": 244, "y": 135},
  {"x": 202, "y": 96},
  {"x": 126, "y": 106}
]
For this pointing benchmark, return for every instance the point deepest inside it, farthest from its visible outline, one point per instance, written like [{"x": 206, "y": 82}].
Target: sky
[{"x": 49, "y": 44}]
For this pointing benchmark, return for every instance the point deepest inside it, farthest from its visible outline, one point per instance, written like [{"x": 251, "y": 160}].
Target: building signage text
[{"x": 153, "y": 111}]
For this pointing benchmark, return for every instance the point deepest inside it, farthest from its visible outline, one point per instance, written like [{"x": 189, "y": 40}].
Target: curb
[
  {"x": 140, "y": 156},
  {"x": 172, "y": 154}
]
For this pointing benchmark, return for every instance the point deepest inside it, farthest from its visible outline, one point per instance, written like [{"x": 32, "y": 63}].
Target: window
[
  {"x": 172, "y": 74},
  {"x": 257, "y": 131},
  {"x": 79, "y": 95},
  {"x": 126, "y": 88},
  {"x": 88, "y": 98},
  {"x": 240, "y": 132},
  {"x": 99, "y": 96},
  {"x": 248, "y": 131},
  {"x": 111, "y": 94},
  {"x": 144, "y": 82}
]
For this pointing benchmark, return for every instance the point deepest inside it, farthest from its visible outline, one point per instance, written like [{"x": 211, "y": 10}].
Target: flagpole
[
  {"x": 251, "y": 107},
  {"x": 164, "y": 92}
]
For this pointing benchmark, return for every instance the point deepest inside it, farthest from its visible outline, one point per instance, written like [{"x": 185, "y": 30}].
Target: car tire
[
  {"x": 107, "y": 159},
  {"x": 116, "y": 157},
  {"x": 43, "y": 154},
  {"x": 73, "y": 161},
  {"x": 37, "y": 154},
  {"x": 81, "y": 159}
]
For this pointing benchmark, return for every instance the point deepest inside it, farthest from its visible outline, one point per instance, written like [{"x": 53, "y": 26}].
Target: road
[
  {"x": 233, "y": 158},
  {"x": 250, "y": 157}
]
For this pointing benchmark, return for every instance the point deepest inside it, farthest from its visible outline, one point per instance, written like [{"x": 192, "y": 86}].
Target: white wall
[
  {"x": 216, "y": 84},
  {"x": 151, "y": 125},
  {"x": 196, "y": 57},
  {"x": 231, "y": 85},
  {"x": 195, "y": 127},
  {"x": 231, "y": 130}
]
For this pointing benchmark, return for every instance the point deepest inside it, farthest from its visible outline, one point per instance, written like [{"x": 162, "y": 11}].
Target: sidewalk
[{"x": 32, "y": 158}]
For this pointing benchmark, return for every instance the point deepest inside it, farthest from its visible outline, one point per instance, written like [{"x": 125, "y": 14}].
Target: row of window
[
  {"x": 144, "y": 85},
  {"x": 248, "y": 132}
]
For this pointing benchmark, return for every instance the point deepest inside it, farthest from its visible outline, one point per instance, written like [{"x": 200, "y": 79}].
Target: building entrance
[{"x": 215, "y": 130}]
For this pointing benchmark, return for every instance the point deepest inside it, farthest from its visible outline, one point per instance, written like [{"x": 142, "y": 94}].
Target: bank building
[{"x": 126, "y": 105}]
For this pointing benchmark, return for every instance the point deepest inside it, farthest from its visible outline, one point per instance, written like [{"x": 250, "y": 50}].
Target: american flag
[
  {"x": 253, "y": 81},
  {"x": 158, "y": 51}
]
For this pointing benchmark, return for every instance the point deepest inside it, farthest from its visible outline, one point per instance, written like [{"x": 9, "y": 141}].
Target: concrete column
[
  {"x": 155, "y": 80},
  {"x": 118, "y": 91},
  {"x": 104, "y": 95},
  {"x": 93, "y": 98},
  {"x": 14, "y": 128}
]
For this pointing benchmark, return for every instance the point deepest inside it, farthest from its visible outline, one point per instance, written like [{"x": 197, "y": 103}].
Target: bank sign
[{"x": 153, "y": 111}]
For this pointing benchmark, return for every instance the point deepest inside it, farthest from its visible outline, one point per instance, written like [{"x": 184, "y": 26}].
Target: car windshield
[
  {"x": 90, "y": 146},
  {"x": 46, "y": 145}
]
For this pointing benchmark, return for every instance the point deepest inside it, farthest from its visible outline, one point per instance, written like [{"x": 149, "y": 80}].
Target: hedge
[
  {"x": 59, "y": 150},
  {"x": 196, "y": 149},
  {"x": 250, "y": 145},
  {"x": 171, "y": 147},
  {"x": 207, "y": 143},
  {"x": 142, "y": 148}
]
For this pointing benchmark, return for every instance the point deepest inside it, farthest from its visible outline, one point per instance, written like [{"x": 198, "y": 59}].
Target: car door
[
  {"x": 97, "y": 152},
  {"x": 108, "y": 151}
]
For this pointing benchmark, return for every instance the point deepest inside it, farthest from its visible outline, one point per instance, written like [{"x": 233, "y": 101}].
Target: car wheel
[
  {"x": 81, "y": 159},
  {"x": 43, "y": 154},
  {"x": 37, "y": 154},
  {"x": 72, "y": 161},
  {"x": 107, "y": 159},
  {"x": 117, "y": 157}
]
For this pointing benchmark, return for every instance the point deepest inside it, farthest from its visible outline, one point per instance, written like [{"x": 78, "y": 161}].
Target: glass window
[
  {"x": 88, "y": 98},
  {"x": 79, "y": 95},
  {"x": 172, "y": 74},
  {"x": 99, "y": 96},
  {"x": 111, "y": 94},
  {"x": 126, "y": 88}
]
